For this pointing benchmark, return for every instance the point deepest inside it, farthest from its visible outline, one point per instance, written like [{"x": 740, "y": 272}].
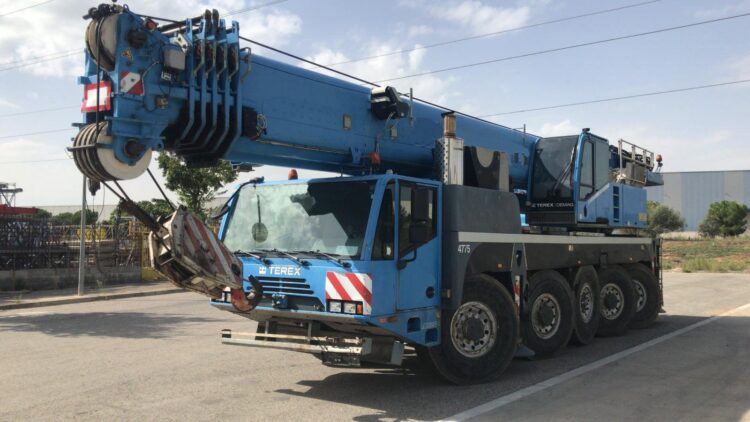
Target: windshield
[
  {"x": 326, "y": 217},
  {"x": 553, "y": 167}
]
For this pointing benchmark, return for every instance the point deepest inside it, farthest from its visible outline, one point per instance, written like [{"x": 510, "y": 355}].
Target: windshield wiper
[
  {"x": 300, "y": 262},
  {"x": 261, "y": 259},
  {"x": 335, "y": 259}
]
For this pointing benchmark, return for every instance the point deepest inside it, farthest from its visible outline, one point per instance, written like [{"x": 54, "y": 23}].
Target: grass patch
[{"x": 711, "y": 255}]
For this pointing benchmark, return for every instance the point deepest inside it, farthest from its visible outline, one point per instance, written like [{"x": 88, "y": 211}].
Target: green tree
[
  {"x": 663, "y": 219},
  {"x": 195, "y": 186},
  {"x": 43, "y": 213},
  {"x": 725, "y": 218},
  {"x": 74, "y": 218},
  {"x": 155, "y": 207}
]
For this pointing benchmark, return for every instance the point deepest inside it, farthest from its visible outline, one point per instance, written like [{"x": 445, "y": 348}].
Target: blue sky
[{"x": 698, "y": 130}]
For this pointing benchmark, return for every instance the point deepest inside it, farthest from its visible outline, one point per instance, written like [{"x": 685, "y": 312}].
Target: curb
[{"x": 83, "y": 299}]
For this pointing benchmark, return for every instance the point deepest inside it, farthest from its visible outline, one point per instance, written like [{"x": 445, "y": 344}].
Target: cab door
[{"x": 417, "y": 246}]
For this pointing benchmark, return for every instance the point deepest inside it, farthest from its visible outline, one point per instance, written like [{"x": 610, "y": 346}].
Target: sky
[{"x": 695, "y": 130}]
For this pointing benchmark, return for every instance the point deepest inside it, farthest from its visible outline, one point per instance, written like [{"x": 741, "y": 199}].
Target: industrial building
[{"x": 691, "y": 193}]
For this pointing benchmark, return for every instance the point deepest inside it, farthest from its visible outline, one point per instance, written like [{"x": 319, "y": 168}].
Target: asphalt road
[{"x": 160, "y": 358}]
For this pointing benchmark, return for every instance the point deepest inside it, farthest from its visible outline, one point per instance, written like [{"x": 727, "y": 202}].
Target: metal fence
[{"x": 31, "y": 242}]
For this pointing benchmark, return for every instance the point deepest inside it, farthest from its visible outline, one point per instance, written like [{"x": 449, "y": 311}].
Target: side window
[
  {"x": 405, "y": 220},
  {"x": 587, "y": 171},
  {"x": 382, "y": 245},
  {"x": 601, "y": 164}
]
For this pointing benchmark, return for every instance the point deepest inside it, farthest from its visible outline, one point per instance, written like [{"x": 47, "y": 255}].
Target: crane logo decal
[{"x": 355, "y": 287}]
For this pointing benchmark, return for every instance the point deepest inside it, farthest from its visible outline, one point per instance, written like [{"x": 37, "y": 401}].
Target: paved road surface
[{"x": 160, "y": 358}]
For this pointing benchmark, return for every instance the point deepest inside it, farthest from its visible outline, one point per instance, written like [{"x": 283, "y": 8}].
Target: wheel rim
[
  {"x": 612, "y": 301},
  {"x": 640, "y": 290},
  {"x": 586, "y": 303},
  {"x": 473, "y": 329},
  {"x": 545, "y": 316}
]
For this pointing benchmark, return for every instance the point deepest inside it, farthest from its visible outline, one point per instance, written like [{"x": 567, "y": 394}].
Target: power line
[
  {"x": 34, "y": 161},
  {"x": 251, "y": 8},
  {"x": 21, "y": 135},
  {"x": 624, "y": 97},
  {"x": 40, "y": 57},
  {"x": 25, "y": 8},
  {"x": 24, "y": 64},
  {"x": 46, "y": 110},
  {"x": 490, "y": 34},
  {"x": 568, "y": 47}
]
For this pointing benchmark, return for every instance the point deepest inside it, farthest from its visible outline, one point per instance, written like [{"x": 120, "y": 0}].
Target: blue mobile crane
[{"x": 458, "y": 238}]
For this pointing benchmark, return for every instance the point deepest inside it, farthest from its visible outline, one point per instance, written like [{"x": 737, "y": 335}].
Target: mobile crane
[{"x": 461, "y": 238}]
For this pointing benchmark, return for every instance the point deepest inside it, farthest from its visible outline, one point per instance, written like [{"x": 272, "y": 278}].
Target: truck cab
[{"x": 354, "y": 254}]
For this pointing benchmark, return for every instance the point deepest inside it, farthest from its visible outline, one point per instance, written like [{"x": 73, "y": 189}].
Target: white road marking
[
  {"x": 23, "y": 314},
  {"x": 559, "y": 379}
]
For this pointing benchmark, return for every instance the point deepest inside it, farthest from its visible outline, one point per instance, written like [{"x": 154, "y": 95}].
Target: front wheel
[{"x": 478, "y": 338}]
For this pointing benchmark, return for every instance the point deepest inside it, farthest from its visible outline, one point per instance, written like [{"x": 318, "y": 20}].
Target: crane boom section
[{"x": 190, "y": 89}]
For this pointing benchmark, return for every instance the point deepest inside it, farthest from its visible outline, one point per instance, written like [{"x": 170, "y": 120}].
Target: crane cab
[{"x": 581, "y": 182}]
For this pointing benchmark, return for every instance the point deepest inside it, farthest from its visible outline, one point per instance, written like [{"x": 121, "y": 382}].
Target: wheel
[
  {"x": 617, "y": 301},
  {"x": 648, "y": 297},
  {"x": 585, "y": 305},
  {"x": 548, "y": 325},
  {"x": 479, "y": 338}
]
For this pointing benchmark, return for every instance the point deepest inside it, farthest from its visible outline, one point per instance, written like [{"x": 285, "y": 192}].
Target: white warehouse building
[{"x": 691, "y": 193}]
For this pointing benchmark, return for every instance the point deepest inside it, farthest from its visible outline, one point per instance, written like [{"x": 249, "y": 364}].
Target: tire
[
  {"x": 617, "y": 301},
  {"x": 647, "y": 296},
  {"x": 548, "y": 324},
  {"x": 463, "y": 357},
  {"x": 585, "y": 305}
]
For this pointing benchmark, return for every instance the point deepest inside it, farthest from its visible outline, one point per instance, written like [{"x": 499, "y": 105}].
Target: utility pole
[{"x": 82, "y": 247}]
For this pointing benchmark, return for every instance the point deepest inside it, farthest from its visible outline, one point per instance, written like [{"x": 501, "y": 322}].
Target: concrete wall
[
  {"x": 691, "y": 193},
  {"x": 59, "y": 278}
]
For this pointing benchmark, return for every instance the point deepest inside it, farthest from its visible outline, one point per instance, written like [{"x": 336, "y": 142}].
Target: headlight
[
  {"x": 350, "y": 308},
  {"x": 334, "y": 306}
]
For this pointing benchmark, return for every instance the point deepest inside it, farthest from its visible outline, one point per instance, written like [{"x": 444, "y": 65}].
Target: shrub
[
  {"x": 663, "y": 219},
  {"x": 725, "y": 218}
]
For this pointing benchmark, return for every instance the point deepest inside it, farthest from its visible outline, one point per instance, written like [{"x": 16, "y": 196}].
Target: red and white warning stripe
[
  {"x": 89, "y": 97},
  {"x": 201, "y": 243},
  {"x": 352, "y": 287},
  {"x": 131, "y": 83}
]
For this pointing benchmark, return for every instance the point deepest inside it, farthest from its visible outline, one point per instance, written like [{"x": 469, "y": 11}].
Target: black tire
[
  {"x": 453, "y": 359},
  {"x": 647, "y": 296},
  {"x": 548, "y": 323},
  {"x": 585, "y": 305},
  {"x": 617, "y": 301}
]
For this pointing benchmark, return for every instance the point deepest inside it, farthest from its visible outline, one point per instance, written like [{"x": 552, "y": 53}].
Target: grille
[{"x": 284, "y": 285}]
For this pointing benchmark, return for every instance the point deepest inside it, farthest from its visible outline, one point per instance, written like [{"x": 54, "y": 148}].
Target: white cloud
[
  {"x": 7, "y": 104},
  {"x": 561, "y": 128},
  {"x": 740, "y": 68},
  {"x": 723, "y": 10},
  {"x": 417, "y": 30},
  {"x": 429, "y": 87},
  {"x": 480, "y": 18}
]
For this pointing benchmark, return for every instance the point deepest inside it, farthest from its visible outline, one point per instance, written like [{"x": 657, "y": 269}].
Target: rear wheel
[
  {"x": 585, "y": 305},
  {"x": 647, "y": 293},
  {"x": 548, "y": 325},
  {"x": 478, "y": 338},
  {"x": 617, "y": 301}
]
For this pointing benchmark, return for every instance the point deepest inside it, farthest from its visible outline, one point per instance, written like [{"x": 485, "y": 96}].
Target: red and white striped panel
[
  {"x": 350, "y": 286},
  {"x": 202, "y": 247}
]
